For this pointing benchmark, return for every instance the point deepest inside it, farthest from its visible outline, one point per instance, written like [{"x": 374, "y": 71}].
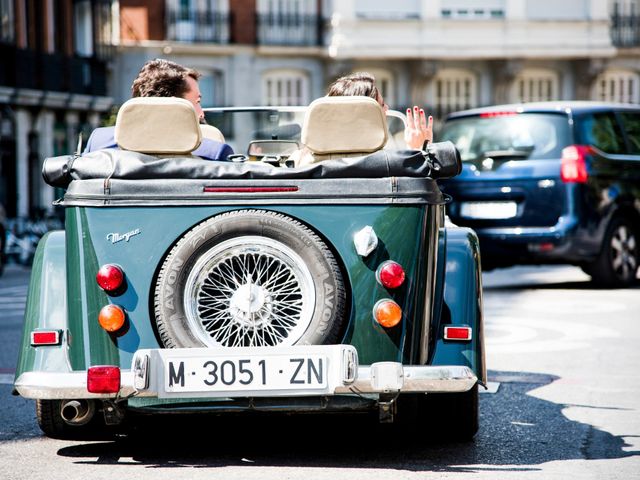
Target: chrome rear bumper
[{"x": 383, "y": 377}]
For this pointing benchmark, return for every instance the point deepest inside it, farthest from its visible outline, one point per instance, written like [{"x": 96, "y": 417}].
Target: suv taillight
[{"x": 573, "y": 165}]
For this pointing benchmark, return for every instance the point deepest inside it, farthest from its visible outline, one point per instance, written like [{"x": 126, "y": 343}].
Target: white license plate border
[{"x": 333, "y": 355}]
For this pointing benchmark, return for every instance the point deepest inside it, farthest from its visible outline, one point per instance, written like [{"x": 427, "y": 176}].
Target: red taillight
[
  {"x": 104, "y": 379},
  {"x": 249, "y": 189},
  {"x": 111, "y": 318},
  {"x": 573, "y": 165},
  {"x": 387, "y": 313},
  {"x": 110, "y": 277},
  {"x": 457, "y": 333},
  {"x": 498, "y": 114},
  {"x": 390, "y": 274},
  {"x": 45, "y": 337}
]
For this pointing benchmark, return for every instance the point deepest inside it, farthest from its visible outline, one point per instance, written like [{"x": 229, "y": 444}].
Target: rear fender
[
  {"x": 462, "y": 303},
  {"x": 46, "y": 308}
]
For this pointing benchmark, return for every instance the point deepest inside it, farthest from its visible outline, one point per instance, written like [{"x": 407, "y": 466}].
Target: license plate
[
  {"x": 246, "y": 373},
  {"x": 488, "y": 210}
]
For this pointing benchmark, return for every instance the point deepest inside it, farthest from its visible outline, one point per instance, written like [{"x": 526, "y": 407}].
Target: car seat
[
  {"x": 142, "y": 126},
  {"x": 339, "y": 127},
  {"x": 212, "y": 133}
]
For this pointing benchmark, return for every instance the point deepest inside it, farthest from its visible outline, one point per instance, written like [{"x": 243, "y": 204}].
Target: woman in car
[{"x": 418, "y": 130}]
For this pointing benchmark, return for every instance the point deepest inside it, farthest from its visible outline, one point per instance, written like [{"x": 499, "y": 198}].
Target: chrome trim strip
[
  {"x": 433, "y": 220},
  {"x": 66, "y": 385},
  {"x": 427, "y": 379}
]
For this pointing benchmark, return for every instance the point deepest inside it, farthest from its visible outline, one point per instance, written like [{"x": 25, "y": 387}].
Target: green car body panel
[{"x": 72, "y": 306}]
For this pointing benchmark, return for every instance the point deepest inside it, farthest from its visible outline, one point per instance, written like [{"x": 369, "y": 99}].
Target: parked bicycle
[{"x": 22, "y": 236}]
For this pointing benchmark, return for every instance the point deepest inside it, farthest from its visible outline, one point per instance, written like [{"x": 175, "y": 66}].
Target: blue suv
[{"x": 551, "y": 182}]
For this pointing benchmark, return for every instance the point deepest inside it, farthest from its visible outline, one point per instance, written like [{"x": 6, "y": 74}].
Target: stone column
[
  {"x": 45, "y": 125},
  {"x": 23, "y": 127},
  {"x": 72, "y": 121}
]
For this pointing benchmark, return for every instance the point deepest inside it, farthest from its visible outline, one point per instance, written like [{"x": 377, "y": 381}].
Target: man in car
[{"x": 164, "y": 78}]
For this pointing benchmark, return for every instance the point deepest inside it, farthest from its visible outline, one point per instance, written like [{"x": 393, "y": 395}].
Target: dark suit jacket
[{"x": 103, "y": 137}]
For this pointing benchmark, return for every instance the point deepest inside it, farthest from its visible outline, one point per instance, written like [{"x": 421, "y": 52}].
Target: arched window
[
  {"x": 285, "y": 87},
  {"x": 455, "y": 89},
  {"x": 617, "y": 86},
  {"x": 535, "y": 85}
]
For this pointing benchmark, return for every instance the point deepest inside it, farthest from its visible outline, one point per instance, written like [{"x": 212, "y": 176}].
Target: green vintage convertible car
[{"x": 257, "y": 284}]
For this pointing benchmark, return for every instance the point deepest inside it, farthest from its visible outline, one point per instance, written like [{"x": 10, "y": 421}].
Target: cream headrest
[
  {"x": 158, "y": 125},
  {"x": 344, "y": 125},
  {"x": 211, "y": 132}
]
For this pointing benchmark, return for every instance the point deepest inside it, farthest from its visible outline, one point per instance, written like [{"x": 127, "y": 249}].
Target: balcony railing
[
  {"x": 625, "y": 30},
  {"x": 289, "y": 29},
  {"x": 207, "y": 26},
  {"x": 52, "y": 72}
]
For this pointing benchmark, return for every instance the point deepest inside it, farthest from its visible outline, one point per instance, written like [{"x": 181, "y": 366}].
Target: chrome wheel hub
[
  {"x": 623, "y": 249},
  {"x": 249, "y": 291},
  {"x": 251, "y": 305}
]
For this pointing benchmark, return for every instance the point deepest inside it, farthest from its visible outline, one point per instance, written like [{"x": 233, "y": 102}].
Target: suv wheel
[
  {"x": 249, "y": 278},
  {"x": 617, "y": 264}
]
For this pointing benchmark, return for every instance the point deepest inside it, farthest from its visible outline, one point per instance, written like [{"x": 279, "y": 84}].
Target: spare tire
[{"x": 249, "y": 278}]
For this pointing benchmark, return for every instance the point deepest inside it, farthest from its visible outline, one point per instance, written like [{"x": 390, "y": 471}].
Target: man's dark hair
[
  {"x": 162, "y": 78},
  {"x": 359, "y": 83}
]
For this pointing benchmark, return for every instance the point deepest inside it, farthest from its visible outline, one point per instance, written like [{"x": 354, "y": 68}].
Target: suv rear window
[
  {"x": 631, "y": 122},
  {"x": 515, "y": 135}
]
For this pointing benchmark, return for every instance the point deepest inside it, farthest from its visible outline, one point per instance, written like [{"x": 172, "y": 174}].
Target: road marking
[
  {"x": 492, "y": 387},
  {"x": 6, "y": 378},
  {"x": 509, "y": 335}
]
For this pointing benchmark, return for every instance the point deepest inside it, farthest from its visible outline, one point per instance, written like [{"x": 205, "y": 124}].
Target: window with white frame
[
  {"x": 285, "y": 87},
  {"x": 626, "y": 7},
  {"x": 198, "y": 20},
  {"x": 454, "y": 89},
  {"x": 472, "y": 9},
  {"x": 289, "y": 7},
  {"x": 288, "y": 22},
  {"x": 386, "y": 10},
  {"x": 535, "y": 85},
  {"x": 617, "y": 86},
  {"x": 577, "y": 10}
]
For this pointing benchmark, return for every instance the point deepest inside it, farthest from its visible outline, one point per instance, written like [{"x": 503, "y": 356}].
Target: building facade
[
  {"x": 456, "y": 54},
  {"x": 53, "y": 85},
  {"x": 443, "y": 54},
  {"x": 249, "y": 51},
  {"x": 63, "y": 73}
]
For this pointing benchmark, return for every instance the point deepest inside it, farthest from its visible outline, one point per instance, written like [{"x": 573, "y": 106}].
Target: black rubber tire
[
  {"x": 327, "y": 317},
  {"x": 3, "y": 239},
  {"x": 603, "y": 271},
  {"x": 52, "y": 425}
]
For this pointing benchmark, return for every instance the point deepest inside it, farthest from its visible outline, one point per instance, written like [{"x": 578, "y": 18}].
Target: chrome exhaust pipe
[{"x": 77, "y": 412}]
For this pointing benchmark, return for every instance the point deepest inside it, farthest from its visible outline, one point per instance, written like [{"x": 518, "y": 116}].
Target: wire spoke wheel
[
  {"x": 249, "y": 278},
  {"x": 249, "y": 292}
]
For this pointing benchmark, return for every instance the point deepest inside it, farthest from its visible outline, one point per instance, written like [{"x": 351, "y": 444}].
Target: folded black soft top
[{"x": 441, "y": 160}]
